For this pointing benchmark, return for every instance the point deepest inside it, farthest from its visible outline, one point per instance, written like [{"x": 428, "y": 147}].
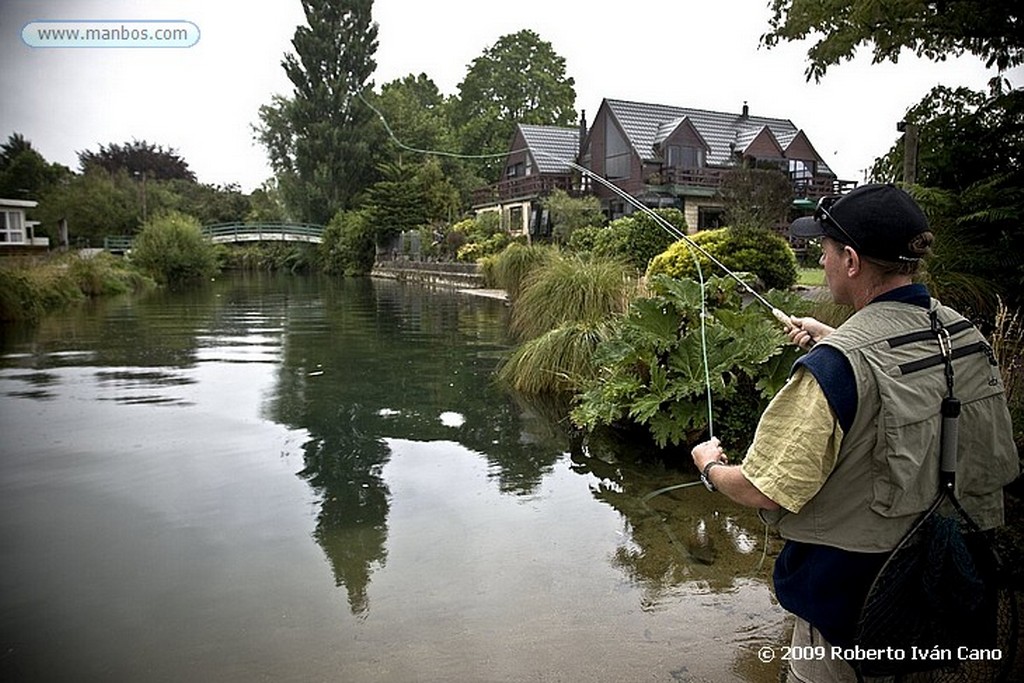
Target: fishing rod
[
  {"x": 781, "y": 316},
  {"x": 678, "y": 234}
]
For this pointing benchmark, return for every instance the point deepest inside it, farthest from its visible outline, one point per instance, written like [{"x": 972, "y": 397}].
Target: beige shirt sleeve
[{"x": 795, "y": 445}]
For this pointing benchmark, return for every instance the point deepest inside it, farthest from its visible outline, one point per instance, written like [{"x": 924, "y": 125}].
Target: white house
[{"x": 14, "y": 229}]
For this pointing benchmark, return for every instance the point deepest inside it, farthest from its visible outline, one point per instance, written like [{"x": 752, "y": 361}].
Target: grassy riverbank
[{"x": 33, "y": 286}]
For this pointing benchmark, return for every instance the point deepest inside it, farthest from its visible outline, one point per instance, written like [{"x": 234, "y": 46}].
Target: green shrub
[
  {"x": 633, "y": 239},
  {"x": 651, "y": 367},
  {"x": 174, "y": 251},
  {"x": 764, "y": 253},
  {"x": 583, "y": 240},
  {"x": 348, "y": 246}
]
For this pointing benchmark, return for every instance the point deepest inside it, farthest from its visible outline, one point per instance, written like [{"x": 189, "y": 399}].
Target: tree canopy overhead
[
  {"x": 138, "y": 157},
  {"x": 990, "y": 29}
]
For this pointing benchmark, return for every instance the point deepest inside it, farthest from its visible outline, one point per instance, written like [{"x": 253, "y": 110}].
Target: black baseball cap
[{"x": 877, "y": 220}]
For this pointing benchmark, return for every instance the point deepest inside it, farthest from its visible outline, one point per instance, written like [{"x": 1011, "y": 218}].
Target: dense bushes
[
  {"x": 763, "y": 253},
  {"x": 634, "y": 239},
  {"x": 174, "y": 251},
  {"x": 348, "y": 245},
  {"x": 652, "y": 364}
]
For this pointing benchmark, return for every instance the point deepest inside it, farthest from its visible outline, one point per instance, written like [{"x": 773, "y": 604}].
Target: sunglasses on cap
[{"x": 821, "y": 214}]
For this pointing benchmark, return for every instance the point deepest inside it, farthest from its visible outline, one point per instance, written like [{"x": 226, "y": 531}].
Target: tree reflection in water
[{"x": 374, "y": 360}]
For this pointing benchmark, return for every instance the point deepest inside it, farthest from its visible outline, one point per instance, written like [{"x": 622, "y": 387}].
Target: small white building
[{"x": 15, "y": 230}]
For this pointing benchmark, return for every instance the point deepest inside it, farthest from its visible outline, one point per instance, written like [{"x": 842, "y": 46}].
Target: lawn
[{"x": 811, "y": 277}]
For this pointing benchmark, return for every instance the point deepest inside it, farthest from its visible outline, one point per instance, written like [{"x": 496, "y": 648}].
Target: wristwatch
[{"x": 704, "y": 474}]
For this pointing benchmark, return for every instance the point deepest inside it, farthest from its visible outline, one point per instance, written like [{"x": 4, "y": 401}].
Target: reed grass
[
  {"x": 1007, "y": 341},
  {"x": 556, "y": 362},
  {"x": 30, "y": 288},
  {"x": 509, "y": 269},
  {"x": 571, "y": 290}
]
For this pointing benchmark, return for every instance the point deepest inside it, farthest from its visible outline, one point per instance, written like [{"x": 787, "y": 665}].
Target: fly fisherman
[{"x": 846, "y": 455}]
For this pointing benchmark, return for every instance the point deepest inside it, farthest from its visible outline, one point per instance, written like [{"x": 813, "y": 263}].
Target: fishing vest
[{"x": 887, "y": 469}]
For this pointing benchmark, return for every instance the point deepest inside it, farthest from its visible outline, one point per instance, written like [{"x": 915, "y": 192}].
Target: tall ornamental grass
[{"x": 563, "y": 312}]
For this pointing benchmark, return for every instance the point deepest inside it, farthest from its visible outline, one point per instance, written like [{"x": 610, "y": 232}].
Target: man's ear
[{"x": 851, "y": 260}]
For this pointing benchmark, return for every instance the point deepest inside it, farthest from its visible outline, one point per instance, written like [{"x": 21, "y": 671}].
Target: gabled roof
[
  {"x": 551, "y": 147},
  {"x": 745, "y": 140},
  {"x": 666, "y": 129},
  {"x": 643, "y": 122}
]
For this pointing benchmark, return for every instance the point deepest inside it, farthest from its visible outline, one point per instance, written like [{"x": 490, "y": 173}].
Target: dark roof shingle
[{"x": 645, "y": 124}]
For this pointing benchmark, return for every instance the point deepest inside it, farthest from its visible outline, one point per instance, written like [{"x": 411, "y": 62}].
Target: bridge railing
[
  {"x": 221, "y": 230},
  {"x": 226, "y": 232}
]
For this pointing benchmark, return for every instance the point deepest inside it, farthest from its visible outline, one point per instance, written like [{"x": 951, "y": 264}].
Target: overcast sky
[{"x": 203, "y": 100}]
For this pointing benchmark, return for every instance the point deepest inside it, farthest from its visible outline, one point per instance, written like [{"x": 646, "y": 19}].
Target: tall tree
[
  {"x": 936, "y": 29},
  {"x": 320, "y": 140},
  {"x": 138, "y": 158},
  {"x": 520, "y": 79},
  {"x": 24, "y": 173},
  {"x": 419, "y": 117}
]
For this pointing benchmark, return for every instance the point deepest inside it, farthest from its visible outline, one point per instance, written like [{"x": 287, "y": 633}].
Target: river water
[{"x": 297, "y": 479}]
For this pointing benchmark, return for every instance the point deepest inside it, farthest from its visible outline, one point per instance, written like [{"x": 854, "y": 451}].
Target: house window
[
  {"x": 710, "y": 218},
  {"x": 617, "y": 153},
  {"x": 800, "y": 169},
  {"x": 684, "y": 157},
  {"x": 515, "y": 219},
  {"x": 515, "y": 170},
  {"x": 11, "y": 229},
  {"x": 529, "y": 166}
]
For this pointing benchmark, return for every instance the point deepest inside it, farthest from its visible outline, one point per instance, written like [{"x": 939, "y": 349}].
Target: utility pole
[{"x": 910, "y": 136}]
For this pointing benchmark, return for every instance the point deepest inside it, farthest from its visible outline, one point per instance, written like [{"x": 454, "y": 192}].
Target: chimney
[
  {"x": 583, "y": 131},
  {"x": 746, "y": 110}
]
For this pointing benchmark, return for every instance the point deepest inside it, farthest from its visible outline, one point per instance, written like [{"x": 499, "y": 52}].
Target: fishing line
[{"x": 672, "y": 230}]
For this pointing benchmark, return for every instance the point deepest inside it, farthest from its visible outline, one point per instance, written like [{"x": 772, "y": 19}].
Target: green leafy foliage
[
  {"x": 651, "y": 366},
  {"x": 763, "y": 253},
  {"x": 633, "y": 239},
  {"x": 971, "y": 186},
  {"x": 520, "y": 79},
  {"x": 569, "y": 214},
  {"x": 174, "y": 251},
  {"x": 348, "y": 245},
  {"x": 989, "y": 29}
]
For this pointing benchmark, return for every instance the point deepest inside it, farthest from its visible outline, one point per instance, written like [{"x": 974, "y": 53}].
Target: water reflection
[
  {"x": 375, "y": 360},
  {"x": 454, "y": 518}
]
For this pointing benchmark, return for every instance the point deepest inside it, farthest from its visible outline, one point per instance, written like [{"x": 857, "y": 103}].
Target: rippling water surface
[{"x": 286, "y": 478}]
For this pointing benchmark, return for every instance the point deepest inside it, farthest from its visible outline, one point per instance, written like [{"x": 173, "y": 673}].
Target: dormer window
[{"x": 678, "y": 156}]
